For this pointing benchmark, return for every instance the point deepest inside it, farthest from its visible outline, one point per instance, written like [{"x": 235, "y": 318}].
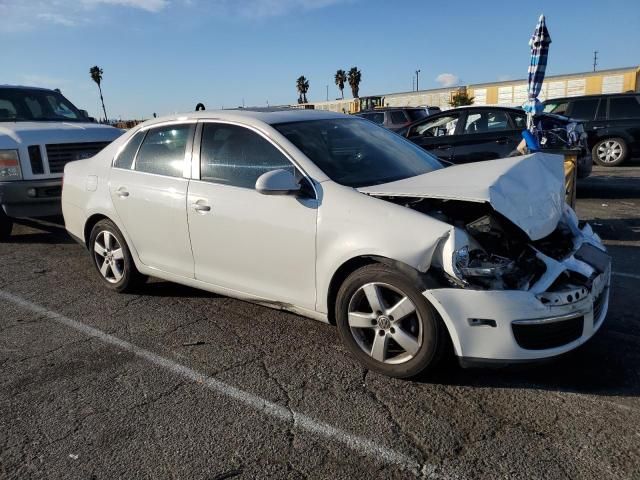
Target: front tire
[
  {"x": 610, "y": 152},
  {"x": 6, "y": 226},
  {"x": 387, "y": 324},
  {"x": 112, "y": 258}
]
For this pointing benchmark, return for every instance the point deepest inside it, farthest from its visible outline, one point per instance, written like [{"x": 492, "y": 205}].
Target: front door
[
  {"x": 149, "y": 193},
  {"x": 437, "y": 134},
  {"x": 242, "y": 240},
  {"x": 487, "y": 135}
]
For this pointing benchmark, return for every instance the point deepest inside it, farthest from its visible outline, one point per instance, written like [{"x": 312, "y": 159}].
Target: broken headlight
[{"x": 477, "y": 264}]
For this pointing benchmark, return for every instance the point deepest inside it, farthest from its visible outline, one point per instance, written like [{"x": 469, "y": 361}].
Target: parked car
[
  {"x": 611, "y": 121},
  {"x": 398, "y": 117},
  {"x": 340, "y": 220},
  {"x": 473, "y": 134},
  {"x": 40, "y": 131}
]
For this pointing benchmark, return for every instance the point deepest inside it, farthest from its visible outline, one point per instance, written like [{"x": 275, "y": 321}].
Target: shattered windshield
[{"x": 35, "y": 105}]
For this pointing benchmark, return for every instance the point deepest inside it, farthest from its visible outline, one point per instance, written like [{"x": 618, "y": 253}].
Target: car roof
[
  {"x": 387, "y": 109},
  {"x": 24, "y": 87},
  {"x": 251, "y": 116},
  {"x": 596, "y": 95}
]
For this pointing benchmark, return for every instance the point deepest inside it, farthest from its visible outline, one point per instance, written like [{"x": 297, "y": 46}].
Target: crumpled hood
[
  {"x": 528, "y": 190},
  {"x": 15, "y": 134}
]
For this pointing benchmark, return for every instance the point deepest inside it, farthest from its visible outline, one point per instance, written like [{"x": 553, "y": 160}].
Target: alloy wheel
[
  {"x": 109, "y": 256},
  {"x": 385, "y": 323},
  {"x": 609, "y": 151}
]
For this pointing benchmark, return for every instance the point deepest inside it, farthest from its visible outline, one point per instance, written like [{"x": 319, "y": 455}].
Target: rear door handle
[
  {"x": 502, "y": 141},
  {"x": 443, "y": 147},
  {"x": 122, "y": 192}
]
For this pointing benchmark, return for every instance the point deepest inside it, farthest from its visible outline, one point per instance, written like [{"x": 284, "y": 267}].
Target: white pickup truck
[{"x": 40, "y": 132}]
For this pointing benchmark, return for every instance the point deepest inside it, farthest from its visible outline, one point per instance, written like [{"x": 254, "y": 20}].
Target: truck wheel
[
  {"x": 6, "y": 225},
  {"x": 610, "y": 152},
  {"x": 387, "y": 324}
]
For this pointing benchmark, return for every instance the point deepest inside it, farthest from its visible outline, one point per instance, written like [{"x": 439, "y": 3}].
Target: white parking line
[
  {"x": 299, "y": 420},
  {"x": 628, "y": 275}
]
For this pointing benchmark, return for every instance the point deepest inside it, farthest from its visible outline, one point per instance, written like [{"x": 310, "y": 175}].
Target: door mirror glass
[{"x": 278, "y": 182}]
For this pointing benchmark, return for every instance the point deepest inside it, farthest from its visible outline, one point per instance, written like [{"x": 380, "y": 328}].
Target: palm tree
[
  {"x": 96, "y": 76},
  {"x": 341, "y": 78},
  {"x": 302, "y": 85},
  {"x": 354, "y": 78}
]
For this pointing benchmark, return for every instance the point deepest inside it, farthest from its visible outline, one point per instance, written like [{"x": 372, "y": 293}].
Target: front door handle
[
  {"x": 502, "y": 141},
  {"x": 443, "y": 147},
  {"x": 201, "y": 207},
  {"x": 122, "y": 192}
]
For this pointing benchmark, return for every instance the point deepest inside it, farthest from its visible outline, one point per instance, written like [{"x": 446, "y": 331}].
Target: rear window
[
  {"x": 417, "y": 114},
  {"x": 624, "y": 107}
]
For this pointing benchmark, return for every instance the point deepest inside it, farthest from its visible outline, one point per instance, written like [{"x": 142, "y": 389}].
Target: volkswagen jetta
[{"x": 340, "y": 220}]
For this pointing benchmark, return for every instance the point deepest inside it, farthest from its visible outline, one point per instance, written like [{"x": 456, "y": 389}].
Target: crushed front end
[{"x": 507, "y": 298}]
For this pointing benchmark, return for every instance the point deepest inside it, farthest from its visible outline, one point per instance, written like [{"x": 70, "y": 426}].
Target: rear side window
[
  {"x": 162, "y": 151},
  {"x": 487, "y": 121},
  {"x": 128, "y": 153},
  {"x": 584, "y": 109},
  {"x": 237, "y": 156},
  {"x": 624, "y": 107},
  {"x": 398, "y": 117},
  {"x": 519, "y": 120}
]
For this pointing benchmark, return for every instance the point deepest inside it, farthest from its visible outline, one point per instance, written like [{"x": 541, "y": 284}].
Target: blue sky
[{"x": 166, "y": 55}]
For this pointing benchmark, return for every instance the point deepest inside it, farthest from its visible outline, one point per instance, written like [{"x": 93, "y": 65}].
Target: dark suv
[
  {"x": 611, "y": 121},
  {"x": 397, "y": 118}
]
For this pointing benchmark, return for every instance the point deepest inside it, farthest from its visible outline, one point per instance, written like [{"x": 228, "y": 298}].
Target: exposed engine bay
[{"x": 500, "y": 255}]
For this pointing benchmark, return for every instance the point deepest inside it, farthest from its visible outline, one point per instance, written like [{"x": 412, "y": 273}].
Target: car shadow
[
  {"x": 48, "y": 230},
  {"x": 160, "y": 288}
]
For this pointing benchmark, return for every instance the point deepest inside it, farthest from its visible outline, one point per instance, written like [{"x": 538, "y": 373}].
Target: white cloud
[
  {"x": 448, "y": 79},
  {"x": 56, "y": 18},
  {"x": 148, "y": 5},
  {"x": 273, "y": 8}
]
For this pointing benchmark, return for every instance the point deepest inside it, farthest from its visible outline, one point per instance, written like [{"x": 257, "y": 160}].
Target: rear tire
[
  {"x": 6, "y": 226},
  {"x": 387, "y": 324},
  {"x": 112, "y": 258},
  {"x": 610, "y": 152}
]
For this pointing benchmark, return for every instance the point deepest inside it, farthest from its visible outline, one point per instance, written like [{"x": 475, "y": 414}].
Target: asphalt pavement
[{"x": 178, "y": 383}]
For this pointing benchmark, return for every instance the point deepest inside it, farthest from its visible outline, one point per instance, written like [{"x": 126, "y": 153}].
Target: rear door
[
  {"x": 487, "y": 134},
  {"x": 149, "y": 193},
  {"x": 437, "y": 134},
  {"x": 624, "y": 119}
]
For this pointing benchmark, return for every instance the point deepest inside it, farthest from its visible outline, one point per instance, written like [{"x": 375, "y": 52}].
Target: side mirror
[
  {"x": 86, "y": 116},
  {"x": 278, "y": 182}
]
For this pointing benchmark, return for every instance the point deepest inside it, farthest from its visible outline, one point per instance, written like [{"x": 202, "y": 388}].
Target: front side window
[
  {"x": 624, "y": 107},
  {"x": 163, "y": 149},
  {"x": 237, "y": 156},
  {"x": 584, "y": 109},
  {"x": 519, "y": 120},
  {"x": 128, "y": 153},
  {"x": 559, "y": 108},
  {"x": 356, "y": 153},
  {"x": 486, "y": 121},
  {"x": 417, "y": 114},
  {"x": 437, "y": 127}
]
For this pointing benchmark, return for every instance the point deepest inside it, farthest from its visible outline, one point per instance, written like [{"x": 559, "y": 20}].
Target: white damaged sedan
[{"x": 340, "y": 220}]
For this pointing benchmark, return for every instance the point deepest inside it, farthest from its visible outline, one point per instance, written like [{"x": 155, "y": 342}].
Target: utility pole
[
  {"x": 413, "y": 83},
  {"x": 417, "y": 80},
  {"x": 595, "y": 60},
  {"x": 327, "y": 93}
]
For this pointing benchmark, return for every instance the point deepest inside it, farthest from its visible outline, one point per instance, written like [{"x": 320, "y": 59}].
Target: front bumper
[
  {"x": 512, "y": 326},
  {"x": 31, "y": 198}
]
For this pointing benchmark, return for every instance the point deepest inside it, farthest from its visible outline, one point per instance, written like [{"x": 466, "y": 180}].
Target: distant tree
[
  {"x": 96, "y": 75},
  {"x": 341, "y": 79},
  {"x": 354, "y": 77},
  {"x": 461, "y": 98},
  {"x": 302, "y": 85}
]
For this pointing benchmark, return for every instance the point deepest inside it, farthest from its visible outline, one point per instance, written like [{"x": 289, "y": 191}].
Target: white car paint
[{"x": 284, "y": 252}]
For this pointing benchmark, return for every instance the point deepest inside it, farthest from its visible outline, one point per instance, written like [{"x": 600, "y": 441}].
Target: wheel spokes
[
  {"x": 361, "y": 320},
  {"x": 117, "y": 272},
  {"x": 401, "y": 309},
  {"x": 105, "y": 268},
  {"x": 117, "y": 254},
  {"x": 99, "y": 249},
  {"x": 374, "y": 298},
  {"x": 379, "y": 347},
  {"x": 406, "y": 341}
]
